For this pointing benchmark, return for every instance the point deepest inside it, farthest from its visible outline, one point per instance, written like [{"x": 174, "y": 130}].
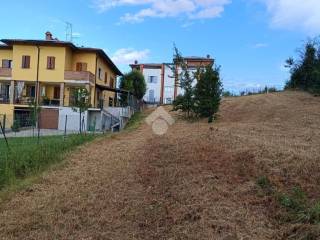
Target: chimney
[
  {"x": 136, "y": 62},
  {"x": 49, "y": 36},
  {"x": 208, "y": 56}
]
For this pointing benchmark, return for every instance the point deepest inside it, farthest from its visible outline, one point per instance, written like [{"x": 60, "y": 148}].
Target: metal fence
[{"x": 26, "y": 149}]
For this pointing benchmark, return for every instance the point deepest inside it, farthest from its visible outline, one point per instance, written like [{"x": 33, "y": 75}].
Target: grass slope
[{"x": 238, "y": 178}]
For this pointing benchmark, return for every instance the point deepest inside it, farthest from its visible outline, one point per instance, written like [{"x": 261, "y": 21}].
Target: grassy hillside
[{"x": 253, "y": 174}]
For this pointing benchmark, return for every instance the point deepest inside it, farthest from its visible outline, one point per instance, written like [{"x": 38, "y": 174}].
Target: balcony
[
  {"x": 79, "y": 76},
  {"x": 6, "y": 72}
]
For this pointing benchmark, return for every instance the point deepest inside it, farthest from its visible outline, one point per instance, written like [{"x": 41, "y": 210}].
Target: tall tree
[
  {"x": 305, "y": 71},
  {"x": 135, "y": 83},
  {"x": 184, "y": 80},
  {"x": 208, "y": 92}
]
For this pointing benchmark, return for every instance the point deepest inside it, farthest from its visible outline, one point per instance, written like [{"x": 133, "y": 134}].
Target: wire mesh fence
[{"x": 26, "y": 148}]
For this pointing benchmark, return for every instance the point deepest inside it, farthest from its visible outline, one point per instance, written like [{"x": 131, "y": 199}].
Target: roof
[
  {"x": 102, "y": 55},
  {"x": 158, "y": 65},
  {"x": 3, "y": 46},
  {"x": 58, "y": 43}
]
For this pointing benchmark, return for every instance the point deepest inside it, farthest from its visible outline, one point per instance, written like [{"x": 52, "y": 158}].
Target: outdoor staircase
[{"x": 110, "y": 122}]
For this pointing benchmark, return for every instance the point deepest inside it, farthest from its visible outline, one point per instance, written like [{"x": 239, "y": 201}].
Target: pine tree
[
  {"x": 208, "y": 92},
  {"x": 185, "y": 101}
]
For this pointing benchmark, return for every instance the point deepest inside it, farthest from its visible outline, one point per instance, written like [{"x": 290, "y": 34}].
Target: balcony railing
[
  {"x": 25, "y": 100},
  {"x": 79, "y": 76},
  {"x": 5, "y": 72},
  {"x": 4, "y": 99}
]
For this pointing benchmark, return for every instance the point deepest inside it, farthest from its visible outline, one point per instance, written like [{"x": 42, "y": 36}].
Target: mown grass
[{"x": 27, "y": 157}]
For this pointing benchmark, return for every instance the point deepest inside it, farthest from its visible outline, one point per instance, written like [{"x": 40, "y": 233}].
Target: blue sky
[{"x": 250, "y": 39}]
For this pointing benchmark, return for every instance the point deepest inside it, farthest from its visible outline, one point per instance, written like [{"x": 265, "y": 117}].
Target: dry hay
[{"x": 196, "y": 182}]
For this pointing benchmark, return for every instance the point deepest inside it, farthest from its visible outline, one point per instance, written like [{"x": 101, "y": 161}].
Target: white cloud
[
  {"x": 295, "y": 14},
  {"x": 260, "y": 45},
  {"x": 129, "y": 55},
  {"x": 192, "y": 9}
]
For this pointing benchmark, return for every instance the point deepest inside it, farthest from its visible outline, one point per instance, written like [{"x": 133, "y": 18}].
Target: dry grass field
[{"x": 199, "y": 181}]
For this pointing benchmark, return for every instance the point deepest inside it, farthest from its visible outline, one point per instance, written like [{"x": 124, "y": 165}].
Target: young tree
[
  {"x": 135, "y": 83},
  {"x": 208, "y": 92},
  {"x": 81, "y": 103},
  {"x": 185, "y": 81}
]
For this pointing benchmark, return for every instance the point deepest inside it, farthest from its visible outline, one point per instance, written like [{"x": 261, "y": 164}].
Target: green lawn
[{"x": 27, "y": 157}]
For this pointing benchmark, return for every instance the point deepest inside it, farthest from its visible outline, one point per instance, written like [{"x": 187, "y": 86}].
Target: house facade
[
  {"x": 162, "y": 81},
  {"x": 48, "y": 72}
]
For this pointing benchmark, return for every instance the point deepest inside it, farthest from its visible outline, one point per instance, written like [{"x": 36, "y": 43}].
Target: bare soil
[{"x": 196, "y": 182}]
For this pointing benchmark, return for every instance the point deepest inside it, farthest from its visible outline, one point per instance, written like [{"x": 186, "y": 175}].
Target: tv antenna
[{"x": 69, "y": 32}]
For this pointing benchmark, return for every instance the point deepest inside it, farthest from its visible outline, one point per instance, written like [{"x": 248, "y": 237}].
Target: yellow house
[{"x": 48, "y": 72}]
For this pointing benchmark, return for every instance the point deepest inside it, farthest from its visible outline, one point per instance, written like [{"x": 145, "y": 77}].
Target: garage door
[{"x": 49, "y": 118}]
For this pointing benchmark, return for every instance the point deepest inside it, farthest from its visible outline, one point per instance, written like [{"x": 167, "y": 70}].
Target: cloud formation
[
  {"x": 295, "y": 14},
  {"x": 129, "y": 55},
  {"x": 192, "y": 9}
]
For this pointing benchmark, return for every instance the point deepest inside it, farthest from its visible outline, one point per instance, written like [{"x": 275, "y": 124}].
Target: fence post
[
  {"x": 4, "y": 121},
  {"x": 4, "y": 135},
  {"x": 39, "y": 119},
  {"x": 65, "y": 126}
]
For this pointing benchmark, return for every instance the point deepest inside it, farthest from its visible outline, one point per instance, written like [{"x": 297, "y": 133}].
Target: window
[
  {"x": 81, "y": 67},
  {"x": 56, "y": 93},
  {"x": 100, "y": 73},
  {"x": 25, "y": 61},
  {"x": 112, "y": 82},
  {"x": 151, "y": 96},
  {"x": 51, "y": 62},
  {"x": 106, "y": 78},
  {"x": 110, "y": 102},
  {"x": 6, "y": 63},
  {"x": 153, "y": 79}
]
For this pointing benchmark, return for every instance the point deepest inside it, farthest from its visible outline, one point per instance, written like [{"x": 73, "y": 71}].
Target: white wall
[
  {"x": 73, "y": 121},
  {"x": 156, "y": 87},
  {"x": 168, "y": 95}
]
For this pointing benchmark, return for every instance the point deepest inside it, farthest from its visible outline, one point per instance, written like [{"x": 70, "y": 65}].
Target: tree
[
  {"x": 208, "y": 92},
  {"x": 133, "y": 82},
  {"x": 81, "y": 103},
  {"x": 185, "y": 79},
  {"x": 305, "y": 71}
]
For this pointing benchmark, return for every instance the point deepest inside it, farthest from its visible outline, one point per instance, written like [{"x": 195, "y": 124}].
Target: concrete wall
[{"x": 73, "y": 119}]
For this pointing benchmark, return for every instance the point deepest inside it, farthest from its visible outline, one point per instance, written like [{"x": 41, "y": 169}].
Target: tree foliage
[
  {"x": 81, "y": 103},
  {"x": 185, "y": 80},
  {"x": 208, "y": 92},
  {"x": 305, "y": 71},
  {"x": 201, "y": 99},
  {"x": 135, "y": 83}
]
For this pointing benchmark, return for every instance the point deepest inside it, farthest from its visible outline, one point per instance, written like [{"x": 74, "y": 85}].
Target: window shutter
[
  {"x": 28, "y": 61},
  {"x": 84, "y": 66},
  {"x": 105, "y": 77},
  {"x": 81, "y": 67},
  {"x": 48, "y": 63},
  {"x": 78, "y": 67},
  {"x": 53, "y": 63},
  {"x": 23, "y": 62}
]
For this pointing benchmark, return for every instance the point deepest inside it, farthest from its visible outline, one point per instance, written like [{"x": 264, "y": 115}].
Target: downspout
[
  {"x": 37, "y": 95},
  {"x": 95, "y": 82},
  {"x": 37, "y": 79},
  {"x": 162, "y": 84}
]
